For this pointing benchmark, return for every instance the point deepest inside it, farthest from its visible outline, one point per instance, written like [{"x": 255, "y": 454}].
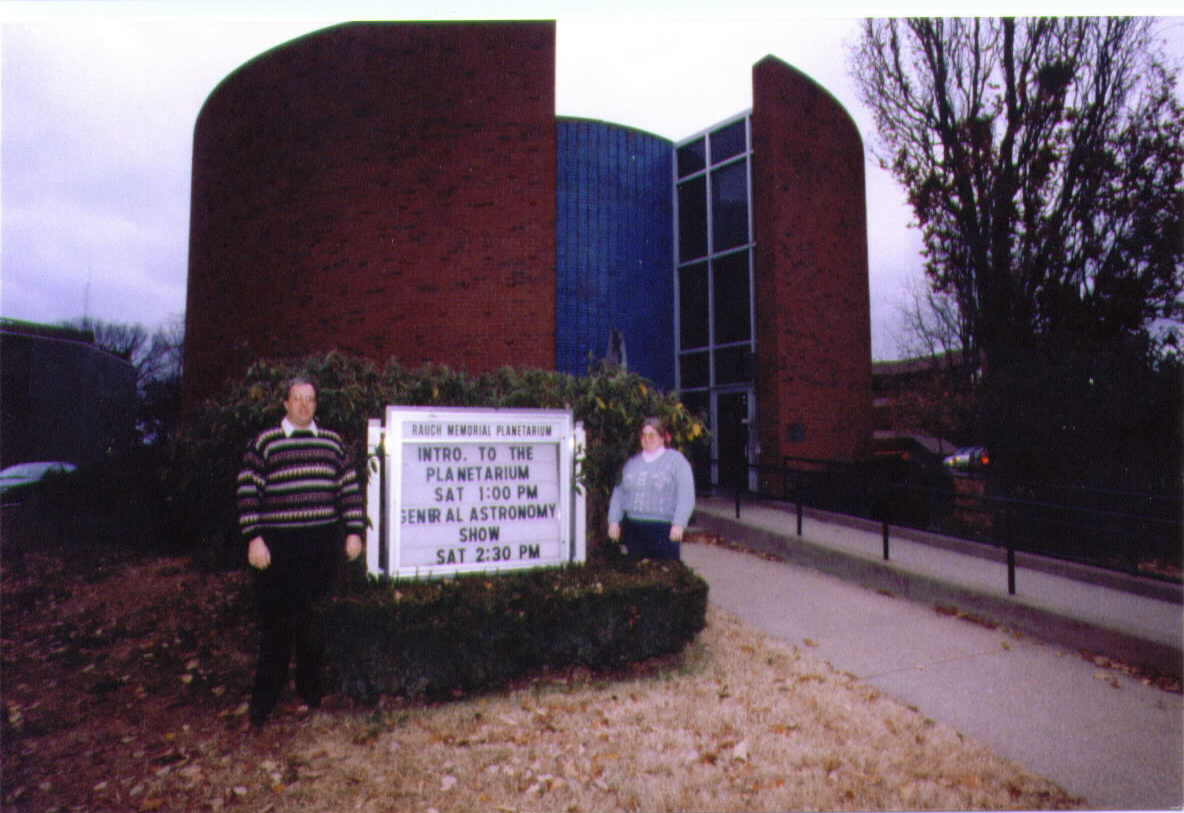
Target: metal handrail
[{"x": 1001, "y": 511}]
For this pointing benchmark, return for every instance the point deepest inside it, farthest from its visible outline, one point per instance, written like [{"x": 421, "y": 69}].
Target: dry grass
[{"x": 738, "y": 722}]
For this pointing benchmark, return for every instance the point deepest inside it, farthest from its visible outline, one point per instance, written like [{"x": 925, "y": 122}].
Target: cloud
[
  {"x": 98, "y": 119},
  {"x": 97, "y": 143},
  {"x": 99, "y": 109},
  {"x": 675, "y": 75}
]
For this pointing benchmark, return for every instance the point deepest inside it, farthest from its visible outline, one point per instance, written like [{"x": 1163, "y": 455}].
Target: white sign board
[{"x": 457, "y": 490}]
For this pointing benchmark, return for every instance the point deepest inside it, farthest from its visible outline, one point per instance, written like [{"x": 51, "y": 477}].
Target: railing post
[
  {"x": 1010, "y": 569},
  {"x": 883, "y": 489},
  {"x": 799, "y": 517},
  {"x": 737, "y": 502},
  {"x": 1003, "y": 531}
]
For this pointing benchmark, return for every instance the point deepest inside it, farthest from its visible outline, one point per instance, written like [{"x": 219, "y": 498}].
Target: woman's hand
[
  {"x": 676, "y": 533},
  {"x": 614, "y": 531}
]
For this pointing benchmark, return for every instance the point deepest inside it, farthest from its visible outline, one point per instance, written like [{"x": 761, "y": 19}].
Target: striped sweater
[{"x": 298, "y": 481}]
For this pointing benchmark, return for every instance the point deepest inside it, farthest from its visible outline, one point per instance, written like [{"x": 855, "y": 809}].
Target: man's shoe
[{"x": 256, "y": 718}]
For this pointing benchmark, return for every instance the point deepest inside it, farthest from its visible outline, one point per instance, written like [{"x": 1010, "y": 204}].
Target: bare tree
[
  {"x": 157, "y": 357},
  {"x": 162, "y": 356},
  {"x": 121, "y": 339},
  {"x": 929, "y": 322},
  {"x": 1042, "y": 159}
]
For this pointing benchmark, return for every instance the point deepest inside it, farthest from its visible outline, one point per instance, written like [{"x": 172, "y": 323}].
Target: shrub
[
  {"x": 207, "y": 451},
  {"x": 412, "y": 638},
  {"x": 436, "y": 638},
  {"x": 118, "y": 502}
]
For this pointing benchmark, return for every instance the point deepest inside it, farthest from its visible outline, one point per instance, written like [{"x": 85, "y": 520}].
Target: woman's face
[{"x": 651, "y": 441}]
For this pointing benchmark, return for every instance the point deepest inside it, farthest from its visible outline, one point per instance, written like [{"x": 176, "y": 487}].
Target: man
[{"x": 297, "y": 484}]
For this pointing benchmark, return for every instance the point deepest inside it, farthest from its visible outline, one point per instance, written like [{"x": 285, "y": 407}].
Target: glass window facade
[
  {"x": 692, "y": 219},
  {"x": 714, "y": 224},
  {"x": 655, "y": 239},
  {"x": 729, "y": 141},
  {"x": 614, "y": 243},
  {"x": 731, "y": 298},
  {"x": 716, "y": 366},
  {"x": 692, "y": 157},
  {"x": 693, "y": 326},
  {"x": 729, "y": 206}
]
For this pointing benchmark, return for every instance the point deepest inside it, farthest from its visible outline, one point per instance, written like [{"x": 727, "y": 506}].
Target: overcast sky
[{"x": 98, "y": 101}]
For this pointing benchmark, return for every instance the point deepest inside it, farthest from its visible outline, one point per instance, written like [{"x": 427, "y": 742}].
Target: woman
[{"x": 650, "y": 508}]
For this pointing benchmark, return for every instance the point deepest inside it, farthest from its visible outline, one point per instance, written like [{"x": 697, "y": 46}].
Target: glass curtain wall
[
  {"x": 714, "y": 333},
  {"x": 614, "y": 205}
]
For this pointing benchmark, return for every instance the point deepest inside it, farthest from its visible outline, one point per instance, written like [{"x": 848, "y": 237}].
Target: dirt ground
[{"x": 125, "y": 680}]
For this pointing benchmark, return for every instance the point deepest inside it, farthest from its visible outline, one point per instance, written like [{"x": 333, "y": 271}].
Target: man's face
[{"x": 301, "y": 405}]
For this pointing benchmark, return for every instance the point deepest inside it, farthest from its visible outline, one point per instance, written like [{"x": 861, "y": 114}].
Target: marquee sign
[{"x": 456, "y": 490}]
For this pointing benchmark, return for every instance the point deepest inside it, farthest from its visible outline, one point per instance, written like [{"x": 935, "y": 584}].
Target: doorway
[{"x": 733, "y": 421}]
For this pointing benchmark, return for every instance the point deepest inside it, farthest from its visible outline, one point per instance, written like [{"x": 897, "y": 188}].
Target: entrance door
[{"x": 732, "y": 438}]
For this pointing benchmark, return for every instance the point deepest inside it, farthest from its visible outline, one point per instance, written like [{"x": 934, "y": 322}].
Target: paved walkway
[{"x": 1032, "y": 697}]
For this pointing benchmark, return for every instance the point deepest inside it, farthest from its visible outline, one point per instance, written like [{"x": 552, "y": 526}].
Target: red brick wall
[
  {"x": 384, "y": 189},
  {"x": 812, "y": 310}
]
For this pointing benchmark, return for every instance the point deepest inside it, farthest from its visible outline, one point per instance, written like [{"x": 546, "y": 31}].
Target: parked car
[
  {"x": 968, "y": 458},
  {"x": 18, "y": 480}
]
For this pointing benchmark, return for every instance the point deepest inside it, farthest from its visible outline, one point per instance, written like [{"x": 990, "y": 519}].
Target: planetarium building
[{"x": 406, "y": 190}]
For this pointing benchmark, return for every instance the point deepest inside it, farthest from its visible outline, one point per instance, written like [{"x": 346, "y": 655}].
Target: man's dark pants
[{"x": 303, "y": 564}]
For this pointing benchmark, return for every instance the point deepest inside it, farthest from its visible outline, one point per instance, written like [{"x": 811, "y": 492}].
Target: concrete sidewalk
[
  {"x": 1022, "y": 688},
  {"x": 1137, "y": 621}
]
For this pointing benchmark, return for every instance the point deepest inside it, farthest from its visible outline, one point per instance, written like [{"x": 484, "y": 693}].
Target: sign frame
[{"x": 467, "y": 443}]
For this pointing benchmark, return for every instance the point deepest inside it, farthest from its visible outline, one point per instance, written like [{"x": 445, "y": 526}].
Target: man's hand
[
  {"x": 258, "y": 554},
  {"x": 614, "y": 531},
  {"x": 676, "y": 532},
  {"x": 353, "y": 546}
]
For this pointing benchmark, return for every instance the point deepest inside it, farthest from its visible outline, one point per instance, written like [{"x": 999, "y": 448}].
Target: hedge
[
  {"x": 437, "y": 638},
  {"x": 207, "y": 451}
]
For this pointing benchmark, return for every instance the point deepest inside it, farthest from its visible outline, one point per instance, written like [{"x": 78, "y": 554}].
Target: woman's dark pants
[{"x": 648, "y": 540}]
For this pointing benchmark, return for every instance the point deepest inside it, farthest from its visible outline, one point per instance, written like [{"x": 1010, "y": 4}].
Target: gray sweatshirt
[{"x": 659, "y": 491}]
